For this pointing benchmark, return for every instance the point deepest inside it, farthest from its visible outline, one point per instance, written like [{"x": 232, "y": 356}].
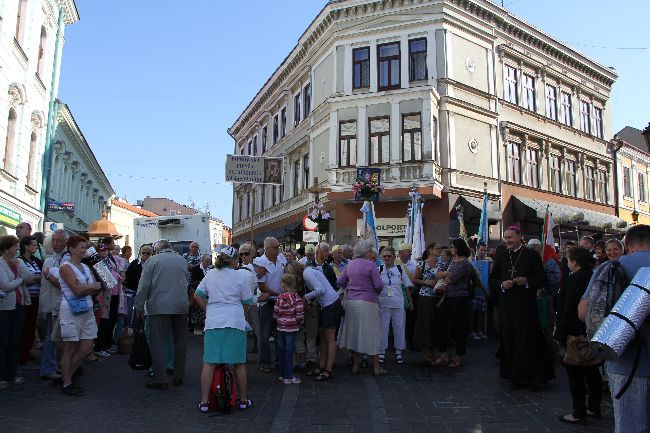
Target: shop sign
[
  {"x": 9, "y": 217},
  {"x": 386, "y": 227},
  {"x": 65, "y": 206},
  {"x": 253, "y": 169},
  {"x": 310, "y": 236}
]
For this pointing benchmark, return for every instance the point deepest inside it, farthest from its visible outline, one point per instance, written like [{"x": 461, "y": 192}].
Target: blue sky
[{"x": 154, "y": 85}]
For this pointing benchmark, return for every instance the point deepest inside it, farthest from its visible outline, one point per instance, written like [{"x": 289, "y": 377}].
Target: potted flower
[
  {"x": 367, "y": 188},
  {"x": 318, "y": 214}
]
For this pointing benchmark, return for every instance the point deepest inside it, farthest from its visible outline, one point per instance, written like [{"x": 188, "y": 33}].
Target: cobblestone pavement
[{"x": 411, "y": 399}]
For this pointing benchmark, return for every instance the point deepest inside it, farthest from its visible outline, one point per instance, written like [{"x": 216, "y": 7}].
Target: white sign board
[
  {"x": 386, "y": 227},
  {"x": 309, "y": 236},
  {"x": 253, "y": 169}
]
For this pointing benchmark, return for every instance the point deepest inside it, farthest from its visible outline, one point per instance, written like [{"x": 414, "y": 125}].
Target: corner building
[{"x": 443, "y": 96}]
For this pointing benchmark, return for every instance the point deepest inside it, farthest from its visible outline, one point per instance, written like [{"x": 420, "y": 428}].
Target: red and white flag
[{"x": 549, "y": 240}]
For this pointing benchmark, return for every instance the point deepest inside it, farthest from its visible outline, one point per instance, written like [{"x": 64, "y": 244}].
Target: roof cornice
[{"x": 71, "y": 14}]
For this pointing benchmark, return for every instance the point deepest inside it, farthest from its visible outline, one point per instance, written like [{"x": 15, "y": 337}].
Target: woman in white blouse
[
  {"x": 391, "y": 304},
  {"x": 222, "y": 293}
]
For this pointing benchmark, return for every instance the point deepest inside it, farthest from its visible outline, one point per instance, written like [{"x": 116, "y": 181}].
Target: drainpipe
[
  {"x": 616, "y": 145},
  {"x": 496, "y": 109},
  {"x": 47, "y": 161}
]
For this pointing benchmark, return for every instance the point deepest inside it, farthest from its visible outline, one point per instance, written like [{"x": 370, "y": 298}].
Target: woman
[
  {"x": 601, "y": 252},
  {"x": 425, "y": 277},
  {"x": 518, "y": 273},
  {"x": 329, "y": 311},
  {"x": 28, "y": 247},
  {"x": 221, "y": 294},
  {"x": 78, "y": 329},
  {"x": 362, "y": 283},
  {"x": 131, "y": 281},
  {"x": 614, "y": 249},
  {"x": 127, "y": 252},
  {"x": 111, "y": 300},
  {"x": 391, "y": 304},
  {"x": 585, "y": 382},
  {"x": 452, "y": 313},
  {"x": 14, "y": 298}
]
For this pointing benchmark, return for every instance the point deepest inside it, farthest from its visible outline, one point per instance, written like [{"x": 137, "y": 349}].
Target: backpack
[
  {"x": 609, "y": 283},
  {"x": 223, "y": 391}
]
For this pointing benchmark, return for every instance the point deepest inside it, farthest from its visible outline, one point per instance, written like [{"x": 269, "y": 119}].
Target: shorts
[
  {"x": 330, "y": 316},
  {"x": 75, "y": 327}
]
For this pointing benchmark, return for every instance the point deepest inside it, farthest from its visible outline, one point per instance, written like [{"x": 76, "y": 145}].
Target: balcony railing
[
  {"x": 301, "y": 201},
  {"x": 400, "y": 175}
]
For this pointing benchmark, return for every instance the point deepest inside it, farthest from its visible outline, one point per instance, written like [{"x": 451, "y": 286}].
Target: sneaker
[
  {"x": 18, "y": 380},
  {"x": 271, "y": 339},
  {"x": 52, "y": 376},
  {"x": 295, "y": 380},
  {"x": 4, "y": 384},
  {"x": 72, "y": 390},
  {"x": 103, "y": 354}
]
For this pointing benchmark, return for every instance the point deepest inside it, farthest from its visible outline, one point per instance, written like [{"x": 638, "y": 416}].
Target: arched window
[
  {"x": 10, "y": 140},
  {"x": 31, "y": 166},
  {"x": 41, "y": 53},
  {"x": 21, "y": 19}
]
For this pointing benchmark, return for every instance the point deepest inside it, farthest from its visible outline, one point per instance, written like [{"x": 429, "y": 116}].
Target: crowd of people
[{"x": 295, "y": 308}]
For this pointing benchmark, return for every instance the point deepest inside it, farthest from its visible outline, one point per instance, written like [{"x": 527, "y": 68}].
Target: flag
[
  {"x": 418, "y": 246},
  {"x": 462, "y": 231},
  {"x": 483, "y": 234},
  {"x": 369, "y": 226},
  {"x": 408, "y": 237},
  {"x": 548, "y": 239}
]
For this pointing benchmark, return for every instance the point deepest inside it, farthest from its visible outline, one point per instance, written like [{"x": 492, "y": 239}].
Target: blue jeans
[
  {"x": 266, "y": 326},
  {"x": 632, "y": 410},
  {"x": 48, "y": 358},
  {"x": 286, "y": 344}
]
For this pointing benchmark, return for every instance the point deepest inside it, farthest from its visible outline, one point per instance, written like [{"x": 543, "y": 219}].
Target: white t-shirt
[
  {"x": 226, "y": 289},
  {"x": 85, "y": 278},
  {"x": 391, "y": 295}
]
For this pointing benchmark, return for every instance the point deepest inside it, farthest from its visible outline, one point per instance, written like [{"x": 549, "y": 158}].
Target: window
[
  {"x": 513, "y": 168},
  {"x": 21, "y": 19},
  {"x": 275, "y": 129},
  {"x": 510, "y": 84},
  {"x": 31, "y": 169},
  {"x": 584, "y": 117},
  {"x": 590, "y": 183},
  {"x": 10, "y": 140},
  {"x": 627, "y": 182},
  {"x": 532, "y": 174},
  {"x": 264, "y": 140},
  {"x": 296, "y": 109},
  {"x": 305, "y": 171},
  {"x": 550, "y": 102},
  {"x": 296, "y": 177},
  {"x": 412, "y": 137},
  {"x": 379, "y": 140},
  {"x": 255, "y": 144},
  {"x": 388, "y": 58},
  {"x": 528, "y": 94},
  {"x": 602, "y": 186},
  {"x": 642, "y": 194},
  {"x": 418, "y": 59},
  {"x": 571, "y": 178},
  {"x": 306, "y": 103},
  {"x": 250, "y": 147},
  {"x": 262, "y": 196},
  {"x": 361, "y": 68},
  {"x": 554, "y": 176},
  {"x": 41, "y": 52},
  {"x": 598, "y": 122},
  {"x": 348, "y": 143},
  {"x": 565, "y": 116},
  {"x": 283, "y": 122}
]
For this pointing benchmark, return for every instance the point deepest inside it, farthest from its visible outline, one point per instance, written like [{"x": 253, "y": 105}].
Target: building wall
[
  {"x": 123, "y": 220},
  {"x": 28, "y": 79},
  {"x": 638, "y": 196}
]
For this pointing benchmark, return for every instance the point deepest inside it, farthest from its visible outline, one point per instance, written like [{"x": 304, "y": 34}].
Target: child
[{"x": 289, "y": 312}]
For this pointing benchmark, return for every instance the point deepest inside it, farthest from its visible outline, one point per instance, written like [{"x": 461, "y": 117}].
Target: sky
[{"x": 155, "y": 84}]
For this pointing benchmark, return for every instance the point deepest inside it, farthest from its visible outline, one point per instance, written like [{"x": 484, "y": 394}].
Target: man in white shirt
[
  {"x": 269, "y": 268},
  {"x": 404, "y": 259}
]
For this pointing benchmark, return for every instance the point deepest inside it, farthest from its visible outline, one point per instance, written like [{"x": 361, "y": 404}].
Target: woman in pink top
[{"x": 363, "y": 284}]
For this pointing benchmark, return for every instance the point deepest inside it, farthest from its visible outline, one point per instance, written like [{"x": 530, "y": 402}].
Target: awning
[
  {"x": 472, "y": 208},
  {"x": 527, "y": 209}
]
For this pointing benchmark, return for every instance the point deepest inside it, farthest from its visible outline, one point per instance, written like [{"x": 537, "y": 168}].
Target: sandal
[
  {"x": 245, "y": 404},
  {"x": 315, "y": 372},
  {"x": 204, "y": 407},
  {"x": 382, "y": 358},
  {"x": 399, "y": 358},
  {"x": 455, "y": 363},
  {"x": 325, "y": 376}
]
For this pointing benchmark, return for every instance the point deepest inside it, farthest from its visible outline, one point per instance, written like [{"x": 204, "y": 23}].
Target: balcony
[
  {"x": 280, "y": 210},
  {"x": 397, "y": 175}
]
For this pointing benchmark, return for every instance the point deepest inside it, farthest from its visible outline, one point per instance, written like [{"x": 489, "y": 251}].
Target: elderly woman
[
  {"x": 14, "y": 298},
  {"x": 28, "y": 248},
  {"x": 222, "y": 294},
  {"x": 362, "y": 283},
  {"x": 614, "y": 249}
]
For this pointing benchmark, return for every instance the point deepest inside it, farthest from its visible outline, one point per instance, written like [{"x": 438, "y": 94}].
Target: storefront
[
  {"x": 390, "y": 231},
  {"x": 12, "y": 212}
]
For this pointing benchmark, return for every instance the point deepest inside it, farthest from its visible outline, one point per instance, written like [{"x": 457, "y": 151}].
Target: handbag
[
  {"x": 77, "y": 305},
  {"x": 140, "y": 357},
  {"x": 578, "y": 352}
]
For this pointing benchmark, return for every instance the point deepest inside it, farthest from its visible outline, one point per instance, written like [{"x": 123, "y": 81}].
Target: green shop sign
[{"x": 9, "y": 217}]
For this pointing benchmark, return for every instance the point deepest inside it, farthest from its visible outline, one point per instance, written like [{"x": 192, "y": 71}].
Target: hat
[
  {"x": 534, "y": 243},
  {"x": 310, "y": 249},
  {"x": 227, "y": 251},
  {"x": 404, "y": 246}
]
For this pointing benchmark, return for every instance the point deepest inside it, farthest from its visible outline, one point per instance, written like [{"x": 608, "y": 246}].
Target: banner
[
  {"x": 65, "y": 206},
  {"x": 253, "y": 169},
  {"x": 9, "y": 217},
  {"x": 483, "y": 268}
]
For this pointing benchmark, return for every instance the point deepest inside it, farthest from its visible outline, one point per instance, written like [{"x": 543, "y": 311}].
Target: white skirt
[{"x": 360, "y": 329}]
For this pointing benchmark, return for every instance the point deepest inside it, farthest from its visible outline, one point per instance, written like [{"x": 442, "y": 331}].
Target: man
[
  {"x": 404, "y": 260},
  {"x": 310, "y": 254},
  {"x": 23, "y": 229},
  {"x": 523, "y": 354},
  {"x": 193, "y": 256},
  {"x": 338, "y": 262},
  {"x": 197, "y": 315},
  {"x": 589, "y": 243},
  {"x": 269, "y": 268},
  {"x": 290, "y": 255},
  {"x": 631, "y": 411},
  {"x": 50, "y": 302},
  {"x": 163, "y": 287}
]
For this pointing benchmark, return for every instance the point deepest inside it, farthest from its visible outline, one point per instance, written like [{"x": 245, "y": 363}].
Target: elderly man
[
  {"x": 339, "y": 263},
  {"x": 163, "y": 287},
  {"x": 310, "y": 256},
  {"x": 23, "y": 229},
  {"x": 50, "y": 302},
  {"x": 269, "y": 268},
  {"x": 193, "y": 256}
]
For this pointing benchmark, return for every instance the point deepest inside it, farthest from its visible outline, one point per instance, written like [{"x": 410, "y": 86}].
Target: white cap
[{"x": 534, "y": 243}]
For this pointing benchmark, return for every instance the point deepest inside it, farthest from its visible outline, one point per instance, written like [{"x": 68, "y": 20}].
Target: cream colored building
[
  {"x": 443, "y": 96},
  {"x": 122, "y": 215},
  {"x": 633, "y": 169}
]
